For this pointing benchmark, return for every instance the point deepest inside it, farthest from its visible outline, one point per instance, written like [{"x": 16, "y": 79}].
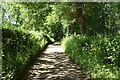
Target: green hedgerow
[
  {"x": 19, "y": 46},
  {"x": 99, "y": 56}
]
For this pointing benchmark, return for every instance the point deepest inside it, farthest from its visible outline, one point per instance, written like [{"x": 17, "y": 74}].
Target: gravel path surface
[{"x": 53, "y": 64}]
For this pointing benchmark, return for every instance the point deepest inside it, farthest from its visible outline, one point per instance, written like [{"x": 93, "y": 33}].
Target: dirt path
[{"x": 53, "y": 64}]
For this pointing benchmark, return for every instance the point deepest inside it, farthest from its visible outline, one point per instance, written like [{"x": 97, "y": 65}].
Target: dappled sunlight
[{"x": 54, "y": 64}]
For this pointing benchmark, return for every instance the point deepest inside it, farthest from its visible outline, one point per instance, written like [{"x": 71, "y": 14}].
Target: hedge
[{"x": 19, "y": 46}]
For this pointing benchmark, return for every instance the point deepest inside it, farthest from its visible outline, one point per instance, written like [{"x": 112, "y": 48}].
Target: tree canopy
[{"x": 82, "y": 17}]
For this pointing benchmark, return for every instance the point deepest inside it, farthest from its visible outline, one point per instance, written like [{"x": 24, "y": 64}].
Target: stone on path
[{"x": 53, "y": 64}]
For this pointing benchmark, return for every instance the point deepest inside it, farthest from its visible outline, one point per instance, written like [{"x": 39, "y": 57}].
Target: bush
[
  {"x": 19, "y": 46},
  {"x": 99, "y": 56}
]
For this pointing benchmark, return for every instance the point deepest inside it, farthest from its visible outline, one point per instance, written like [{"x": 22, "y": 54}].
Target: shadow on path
[{"x": 53, "y": 64}]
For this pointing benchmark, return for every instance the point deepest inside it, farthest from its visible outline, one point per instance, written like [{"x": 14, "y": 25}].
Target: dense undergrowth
[
  {"x": 19, "y": 46},
  {"x": 99, "y": 56}
]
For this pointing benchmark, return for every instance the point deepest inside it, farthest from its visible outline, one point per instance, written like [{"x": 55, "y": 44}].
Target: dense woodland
[{"x": 89, "y": 33}]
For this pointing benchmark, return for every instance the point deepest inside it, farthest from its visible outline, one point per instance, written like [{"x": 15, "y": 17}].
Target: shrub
[
  {"x": 99, "y": 56},
  {"x": 19, "y": 46}
]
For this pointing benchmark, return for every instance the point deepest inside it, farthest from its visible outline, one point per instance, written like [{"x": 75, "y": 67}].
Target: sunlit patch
[
  {"x": 46, "y": 66},
  {"x": 47, "y": 59},
  {"x": 54, "y": 48}
]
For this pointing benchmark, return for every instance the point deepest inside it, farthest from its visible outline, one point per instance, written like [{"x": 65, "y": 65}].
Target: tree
[{"x": 80, "y": 17}]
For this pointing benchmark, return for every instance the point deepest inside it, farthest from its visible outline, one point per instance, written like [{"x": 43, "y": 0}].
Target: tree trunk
[{"x": 80, "y": 17}]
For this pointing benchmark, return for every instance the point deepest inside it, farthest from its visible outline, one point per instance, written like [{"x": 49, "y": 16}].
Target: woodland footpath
[{"x": 88, "y": 32}]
